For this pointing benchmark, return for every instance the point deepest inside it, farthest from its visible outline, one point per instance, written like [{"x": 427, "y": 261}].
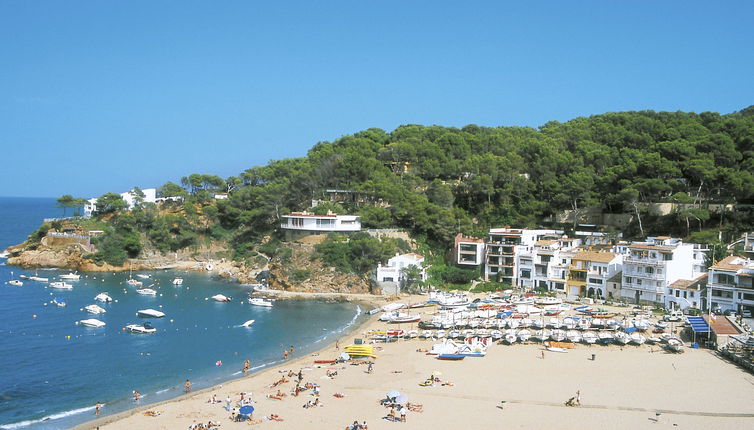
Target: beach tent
[
  {"x": 699, "y": 325},
  {"x": 246, "y": 410}
]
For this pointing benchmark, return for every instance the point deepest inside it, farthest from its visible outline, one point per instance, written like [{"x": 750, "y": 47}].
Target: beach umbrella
[
  {"x": 402, "y": 399},
  {"x": 246, "y": 410},
  {"x": 344, "y": 356},
  {"x": 393, "y": 393}
]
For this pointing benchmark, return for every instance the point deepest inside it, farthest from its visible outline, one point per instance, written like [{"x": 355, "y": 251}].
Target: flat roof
[{"x": 721, "y": 325}]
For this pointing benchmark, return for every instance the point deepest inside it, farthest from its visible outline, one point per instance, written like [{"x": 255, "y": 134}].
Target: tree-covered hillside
[{"x": 437, "y": 181}]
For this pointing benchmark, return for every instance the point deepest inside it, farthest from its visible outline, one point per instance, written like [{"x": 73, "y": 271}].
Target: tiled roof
[
  {"x": 689, "y": 284},
  {"x": 597, "y": 257},
  {"x": 730, "y": 263}
]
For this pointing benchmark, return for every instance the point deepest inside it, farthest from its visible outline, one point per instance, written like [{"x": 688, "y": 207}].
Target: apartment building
[
  {"x": 504, "y": 245},
  {"x": 730, "y": 285}
]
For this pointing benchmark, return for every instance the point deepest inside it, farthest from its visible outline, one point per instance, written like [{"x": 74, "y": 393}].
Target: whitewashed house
[
  {"x": 329, "y": 223},
  {"x": 392, "y": 276},
  {"x": 130, "y": 197},
  {"x": 730, "y": 285},
  {"x": 504, "y": 245},
  {"x": 590, "y": 272},
  {"x": 469, "y": 251}
]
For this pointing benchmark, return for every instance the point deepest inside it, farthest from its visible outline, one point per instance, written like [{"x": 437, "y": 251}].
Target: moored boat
[
  {"x": 58, "y": 302},
  {"x": 91, "y": 322},
  {"x": 134, "y": 282},
  {"x": 220, "y": 298},
  {"x": 70, "y": 277},
  {"x": 145, "y": 328},
  {"x": 451, "y": 357},
  {"x": 260, "y": 301},
  {"x": 150, "y": 313},
  {"x": 146, "y": 292},
  {"x": 94, "y": 309},
  {"x": 589, "y": 337},
  {"x": 103, "y": 297},
  {"x": 622, "y": 338},
  {"x": 15, "y": 282},
  {"x": 178, "y": 281},
  {"x": 61, "y": 285}
]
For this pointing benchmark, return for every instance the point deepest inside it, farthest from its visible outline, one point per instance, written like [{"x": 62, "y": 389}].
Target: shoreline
[{"x": 272, "y": 369}]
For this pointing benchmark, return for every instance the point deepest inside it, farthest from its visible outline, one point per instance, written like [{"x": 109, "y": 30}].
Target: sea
[{"x": 53, "y": 370}]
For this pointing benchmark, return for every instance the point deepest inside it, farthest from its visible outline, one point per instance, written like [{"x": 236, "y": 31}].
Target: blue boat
[{"x": 453, "y": 357}]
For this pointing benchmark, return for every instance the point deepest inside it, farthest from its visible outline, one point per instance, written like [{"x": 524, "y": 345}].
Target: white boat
[
  {"x": 554, "y": 323},
  {"x": 445, "y": 347},
  {"x": 426, "y": 334},
  {"x": 558, "y": 335},
  {"x": 455, "y": 334},
  {"x": 58, "y": 302},
  {"x": 16, "y": 283},
  {"x": 513, "y": 323},
  {"x": 573, "y": 336},
  {"x": 222, "y": 298},
  {"x": 439, "y": 334},
  {"x": 150, "y": 313},
  {"x": 142, "y": 276},
  {"x": 482, "y": 332},
  {"x": 103, "y": 297},
  {"x": 584, "y": 323},
  {"x": 61, "y": 285},
  {"x": 260, "y": 301},
  {"x": 247, "y": 323},
  {"x": 524, "y": 335},
  {"x": 91, "y": 322},
  {"x": 38, "y": 279},
  {"x": 541, "y": 335},
  {"x": 511, "y": 336},
  {"x": 538, "y": 324},
  {"x": 652, "y": 340},
  {"x": 675, "y": 344},
  {"x": 399, "y": 317},
  {"x": 641, "y": 324},
  {"x": 612, "y": 325},
  {"x": 569, "y": 323},
  {"x": 637, "y": 338},
  {"x": 556, "y": 349},
  {"x": 70, "y": 277},
  {"x": 589, "y": 337},
  {"x": 412, "y": 334},
  {"x": 178, "y": 281},
  {"x": 547, "y": 301},
  {"x": 94, "y": 309},
  {"x": 145, "y": 328},
  {"x": 134, "y": 282},
  {"x": 662, "y": 324},
  {"x": 496, "y": 334},
  {"x": 622, "y": 338},
  {"x": 525, "y": 323},
  {"x": 147, "y": 292},
  {"x": 606, "y": 337}
]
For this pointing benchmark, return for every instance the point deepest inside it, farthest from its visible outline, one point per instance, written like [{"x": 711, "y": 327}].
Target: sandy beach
[{"x": 625, "y": 388}]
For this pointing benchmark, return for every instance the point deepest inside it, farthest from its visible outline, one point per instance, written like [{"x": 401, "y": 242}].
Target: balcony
[{"x": 640, "y": 260}]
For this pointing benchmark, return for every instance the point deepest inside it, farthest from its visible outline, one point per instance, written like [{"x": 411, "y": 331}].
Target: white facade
[
  {"x": 393, "y": 271},
  {"x": 469, "y": 251},
  {"x": 150, "y": 196},
  {"x": 730, "y": 285},
  {"x": 650, "y": 267},
  {"x": 503, "y": 247},
  {"x": 542, "y": 265},
  {"x": 304, "y": 221},
  {"x": 590, "y": 272}
]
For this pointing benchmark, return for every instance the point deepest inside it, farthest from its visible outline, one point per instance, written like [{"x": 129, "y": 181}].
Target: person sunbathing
[
  {"x": 275, "y": 417},
  {"x": 339, "y": 395},
  {"x": 414, "y": 407}
]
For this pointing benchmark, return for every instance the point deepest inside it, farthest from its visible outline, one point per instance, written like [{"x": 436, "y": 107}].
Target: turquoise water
[{"x": 52, "y": 371}]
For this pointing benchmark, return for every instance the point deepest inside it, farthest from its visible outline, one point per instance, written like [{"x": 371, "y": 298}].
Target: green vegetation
[{"x": 437, "y": 181}]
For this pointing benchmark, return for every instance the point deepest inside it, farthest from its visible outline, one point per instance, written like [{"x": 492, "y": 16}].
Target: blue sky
[{"x": 99, "y": 96}]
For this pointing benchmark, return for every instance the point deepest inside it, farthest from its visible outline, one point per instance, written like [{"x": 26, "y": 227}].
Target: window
[
  {"x": 325, "y": 223},
  {"x": 296, "y": 222},
  {"x": 595, "y": 281},
  {"x": 629, "y": 279},
  {"x": 638, "y": 281},
  {"x": 667, "y": 257},
  {"x": 649, "y": 270},
  {"x": 525, "y": 273}
]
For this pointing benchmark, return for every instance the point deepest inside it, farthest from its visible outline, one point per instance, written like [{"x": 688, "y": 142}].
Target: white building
[
  {"x": 542, "y": 264},
  {"x": 469, "y": 251},
  {"x": 730, "y": 285},
  {"x": 650, "y": 267},
  {"x": 685, "y": 293},
  {"x": 393, "y": 272},
  {"x": 150, "y": 196},
  {"x": 590, "y": 272},
  {"x": 309, "y": 222},
  {"x": 504, "y": 245}
]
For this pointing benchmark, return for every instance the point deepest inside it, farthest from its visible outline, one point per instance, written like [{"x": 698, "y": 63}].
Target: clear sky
[{"x": 99, "y": 96}]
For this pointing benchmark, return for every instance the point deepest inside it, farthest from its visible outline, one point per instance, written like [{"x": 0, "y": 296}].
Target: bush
[{"x": 300, "y": 275}]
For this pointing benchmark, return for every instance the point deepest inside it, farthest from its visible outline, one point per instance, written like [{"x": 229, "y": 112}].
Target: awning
[{"x": 699, "y": 325}]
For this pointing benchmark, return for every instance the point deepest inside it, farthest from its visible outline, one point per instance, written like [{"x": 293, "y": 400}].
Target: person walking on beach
[
  {"x": 227, "y": 403},
  {"x": 578, "y": 398},
  {"x": 188, "y": 386},
  {"x": 97, "y": 407}
]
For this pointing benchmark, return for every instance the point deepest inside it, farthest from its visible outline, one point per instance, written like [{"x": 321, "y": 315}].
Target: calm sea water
[{"x": 52, "y": 371}]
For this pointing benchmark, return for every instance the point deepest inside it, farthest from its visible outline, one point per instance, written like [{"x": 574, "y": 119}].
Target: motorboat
[
  {"x": 38, "y": 279},
  {"x": 637, "y": 338},
  {"x": 455, "y": 334},
  {"x": 411, "y": 334},
  {"x": 260, "y": 301},
  {"x": 606, "y": 337},
  {"x": 103, "y": 297},
  {"x": 439, "y": 334},
  {"x": 16, "y": 282},
  {"x": 584, "y": 323},
  {"x": 451, "y": 357},
  {"x": 399, "y": 317},
  {"x": 573, "y": 336},
  {"x": 589, "y": 337},
  {"x": 622, "y": 338},
  {"x": 145, "y": 328},
  {"x": 558, "y": 335},
  {"x": 134, "y": 282},
  {"x": 641, "y": 324},
  {"x": 94, "y": 309},
  {"x": 541, "y": 335},
  {"x": 70, "y": 277},
  {"x": 482, "y": 332},
  {"x": 150, "y": 313},
  {"x": 569, "y": 323},
  {"x": 538, "y": 324},
  {"x": 447, "y": 346},
  {"x": 612, "y": 325},
  {"x": 247, "y": 324},
  {"x": 61, "y": 285},
  {"x": 425, "y": 334},
  {"x": 524, "y": 335},
  {"x": 496, "y": 334},
  {"x": 675, "y": 344},
  {"x": 547, "y": 301},
  {"x": 142, "y": 276},
  {"x": 511, "y": 336},
  {"x": 177, "y": 281},
  {"x": 146, "y": 292},
  {"x": 91, "y": 322},
  {"x": 221, "y": 298},
  {"x": 59, "y": 302}
]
